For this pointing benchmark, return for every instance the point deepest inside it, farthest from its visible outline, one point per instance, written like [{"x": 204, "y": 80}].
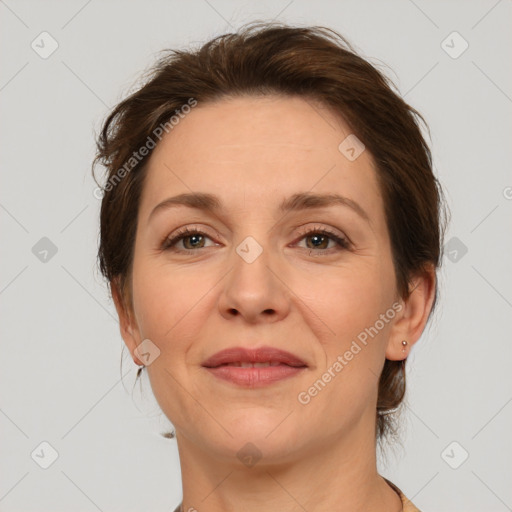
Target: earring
[
  {"x": 404, "y": 344},
  {"x": 139, "y": 371}
]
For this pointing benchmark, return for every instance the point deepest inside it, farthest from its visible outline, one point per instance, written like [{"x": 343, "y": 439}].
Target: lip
[
  {"x": 256, "y": 355},
  {"x": 236, "y": 365}
]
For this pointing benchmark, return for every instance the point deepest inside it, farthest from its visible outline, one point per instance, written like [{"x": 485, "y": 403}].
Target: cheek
[
  {"x": 166, "y": 301},
  {"x": 171, "y": 309},
  {"x": 356, "y": 315},
  {"x": 347, "y": 300},
  {"x": 174, "y": 307},
  {"x": 344, "y": 386}
]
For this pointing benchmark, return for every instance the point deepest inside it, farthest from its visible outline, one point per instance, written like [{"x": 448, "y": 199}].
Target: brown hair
[{"x": 273, "y": 58}]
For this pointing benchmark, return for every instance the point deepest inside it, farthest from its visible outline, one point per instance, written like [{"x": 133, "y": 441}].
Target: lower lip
[{"x": 251, "y": 377}]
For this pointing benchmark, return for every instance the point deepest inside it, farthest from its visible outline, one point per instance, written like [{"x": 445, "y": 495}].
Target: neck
[{"x": 338, "y": 475}]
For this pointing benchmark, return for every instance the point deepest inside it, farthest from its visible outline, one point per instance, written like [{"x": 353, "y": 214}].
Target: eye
[
  {"x": 193, "y": 238},
  {"x": 318, "y": 239}
]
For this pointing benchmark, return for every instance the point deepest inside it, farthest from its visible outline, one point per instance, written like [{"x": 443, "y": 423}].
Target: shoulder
[{"x": 408, "y": 505}]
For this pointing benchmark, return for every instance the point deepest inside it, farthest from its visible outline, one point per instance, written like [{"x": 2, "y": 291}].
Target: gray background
[{"x": 61, "y": 348}]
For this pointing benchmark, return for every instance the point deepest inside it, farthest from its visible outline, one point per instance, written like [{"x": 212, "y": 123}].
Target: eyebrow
[{"x": 296, "y": 202}]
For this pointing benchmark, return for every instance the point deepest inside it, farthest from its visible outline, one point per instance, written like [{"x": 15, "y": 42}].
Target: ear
[
  {"x": 411, "y": 320},
  {"x": 127, "y": 324}
]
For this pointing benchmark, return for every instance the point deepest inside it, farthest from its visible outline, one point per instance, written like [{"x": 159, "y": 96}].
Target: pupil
[
  {"x": 194, "y": 238},
  {"x": 318, "y": 238}
]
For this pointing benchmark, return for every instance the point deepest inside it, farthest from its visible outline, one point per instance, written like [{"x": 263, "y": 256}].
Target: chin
[{"x": 261, "y": 431}]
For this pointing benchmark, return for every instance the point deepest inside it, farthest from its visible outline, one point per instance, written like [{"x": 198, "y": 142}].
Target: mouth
[
  {"x": 240, "y": 364},
  {"x": 254, "y": 368}
]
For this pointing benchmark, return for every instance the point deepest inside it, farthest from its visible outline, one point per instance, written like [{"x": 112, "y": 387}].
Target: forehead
[{"x": 265, "y": 148}]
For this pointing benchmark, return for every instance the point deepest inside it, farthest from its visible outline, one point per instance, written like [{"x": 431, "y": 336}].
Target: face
[{"x": 315, "y": 279}]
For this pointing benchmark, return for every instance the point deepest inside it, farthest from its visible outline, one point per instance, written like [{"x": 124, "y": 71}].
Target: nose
[{"x": 254, "y": 290}]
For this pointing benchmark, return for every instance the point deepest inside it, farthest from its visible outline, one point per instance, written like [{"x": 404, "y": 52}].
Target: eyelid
[{"x": 316, "y": 227}]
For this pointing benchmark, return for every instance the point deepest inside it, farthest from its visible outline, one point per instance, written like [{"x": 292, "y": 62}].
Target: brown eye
[
  {"x": 191, "y": 240},
  {"x": 195, "y": 241},
  {"x": 318, "y": 240}
]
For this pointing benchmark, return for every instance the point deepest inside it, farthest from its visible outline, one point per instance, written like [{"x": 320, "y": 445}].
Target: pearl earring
[{"x": 404, "y": 345}]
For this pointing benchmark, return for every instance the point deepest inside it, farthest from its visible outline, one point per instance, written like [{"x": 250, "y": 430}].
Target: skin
[{"x": 311, "y": 299}]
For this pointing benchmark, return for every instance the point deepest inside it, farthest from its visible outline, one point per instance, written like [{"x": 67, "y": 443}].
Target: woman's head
[{"x": 270, "y": 141}]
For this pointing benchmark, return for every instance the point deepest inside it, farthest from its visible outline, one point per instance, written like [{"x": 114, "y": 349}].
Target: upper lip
[{"x": 254, "y": 355}]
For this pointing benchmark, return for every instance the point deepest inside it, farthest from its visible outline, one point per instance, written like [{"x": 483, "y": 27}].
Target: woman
[{"x": 270, "y": 230}]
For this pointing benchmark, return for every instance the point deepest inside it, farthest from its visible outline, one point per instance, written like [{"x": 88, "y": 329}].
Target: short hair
[{"x": 272, "y": 58}]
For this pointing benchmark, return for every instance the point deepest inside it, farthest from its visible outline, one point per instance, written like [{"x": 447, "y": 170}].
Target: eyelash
[{"x": 343, "y": 243}]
